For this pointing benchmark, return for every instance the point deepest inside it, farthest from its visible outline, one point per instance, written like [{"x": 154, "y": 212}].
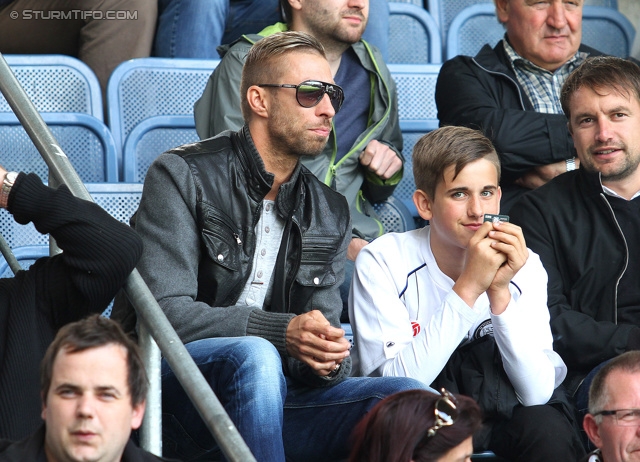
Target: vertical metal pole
[
  {"x": 9, "y": 256},
  {"x": 151, "y": 430},
  {"x": 196, "y": 387},
  {"x": 190, "y": 377}
]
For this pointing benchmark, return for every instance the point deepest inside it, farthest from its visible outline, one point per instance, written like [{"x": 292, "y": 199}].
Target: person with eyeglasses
[
  {"x": 613, "y": 421},
  {"x": 462, "y": 304},
  {"x": 244, "y": 250},
  {"x": 362, "y": 159},
  {"x": 418, "y": 426}
]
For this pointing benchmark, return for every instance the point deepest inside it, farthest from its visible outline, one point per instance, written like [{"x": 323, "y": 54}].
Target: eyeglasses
[
  {"x": 445, "y": 411},
  {"x": 310, "y": 92},
  {"x": 623, "y": 417}
]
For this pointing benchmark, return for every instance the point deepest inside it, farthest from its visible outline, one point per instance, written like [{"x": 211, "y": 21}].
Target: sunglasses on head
[
  {"x": 310, "y": 92},
  {"x": 445, "y": 411}
]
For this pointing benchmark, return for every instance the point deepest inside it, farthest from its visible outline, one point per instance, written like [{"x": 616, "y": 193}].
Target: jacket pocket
[
  {"x": 316, "y": 263},
  {"x": 222, "y": 239}
]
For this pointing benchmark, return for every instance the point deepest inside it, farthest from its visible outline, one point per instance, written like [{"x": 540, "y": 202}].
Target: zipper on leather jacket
[
  {"x": 294, "y": 270},
  {"x": 218, "y": 219}
]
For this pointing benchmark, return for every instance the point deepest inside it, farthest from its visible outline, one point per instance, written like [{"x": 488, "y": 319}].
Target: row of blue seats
[
  {"x": 461, "y": 27},
  {"x": 150, "y": 109}
]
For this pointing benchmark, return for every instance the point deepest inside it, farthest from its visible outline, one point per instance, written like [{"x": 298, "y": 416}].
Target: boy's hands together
[{"x": 495, "y": 254}]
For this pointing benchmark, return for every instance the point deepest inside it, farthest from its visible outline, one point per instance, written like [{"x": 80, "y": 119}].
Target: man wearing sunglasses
[
  {"x": 613, "y": 421},
  {"x": 244, "y": 251},
  {"x": 362, "y": 158}
]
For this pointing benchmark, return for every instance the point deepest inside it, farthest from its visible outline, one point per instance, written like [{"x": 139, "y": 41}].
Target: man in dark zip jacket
[
  {"x": 585, "y": 224},
  {"x": 245, "y": 251},
  {"x": 511, "y": 92}
]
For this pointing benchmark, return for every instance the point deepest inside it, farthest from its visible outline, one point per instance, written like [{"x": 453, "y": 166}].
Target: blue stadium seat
[
  {"x": 148, "y": 87},
  {"x": 414, "y": 37},
  {"x": 25, "y": 255},
  {"x": 605, "y": 29},
  {"x": 121, "y": 200},
  {"x": 395, "y": 216},
  {"x": 412, "y": 2},
  {"x": 56, "y": 83},
  {"x": 85, "y": 140},
  {"x": 152, "y": 137},
  {"x": 418, "y": 115},
  {"x": 444, "y": 12},
  {"x": 472, "y": 28}
]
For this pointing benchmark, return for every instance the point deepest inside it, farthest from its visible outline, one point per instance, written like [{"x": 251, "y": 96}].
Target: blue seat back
[
  {"x": 395, "y": 216},
  {"x": 472, "y": 28},
  {"x": 85, "y": 140},
  {"x": 152, "y": 137},
  {"x": 56, "y": 83},
  {"x": 26, "y": 256},
  {"x": 414, "y": 36},
  {"x": 148, "y": 87},
  {"x": 418, "y": 115},
  {"x": 607, "y": 30}
]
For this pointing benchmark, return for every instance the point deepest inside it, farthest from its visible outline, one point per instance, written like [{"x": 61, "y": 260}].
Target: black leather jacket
[
  {"x": 197, "y": 217},
  {"x": 316, "y": 222},
  {"x": 570, "y": 224}
]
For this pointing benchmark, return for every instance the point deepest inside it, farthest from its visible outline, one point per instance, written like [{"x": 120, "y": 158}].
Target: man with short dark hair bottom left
[{"x": 93, "y": 386}]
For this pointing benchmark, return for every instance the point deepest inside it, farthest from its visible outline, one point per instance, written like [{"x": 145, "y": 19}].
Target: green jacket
[{"x": 361, "y": 188}]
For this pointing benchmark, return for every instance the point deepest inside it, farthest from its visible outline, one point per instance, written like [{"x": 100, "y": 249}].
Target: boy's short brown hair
[{"x": 446, "y": 146}]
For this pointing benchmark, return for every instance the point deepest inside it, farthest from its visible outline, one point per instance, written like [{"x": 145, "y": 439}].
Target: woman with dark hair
[{"x": 417, "y": 426}]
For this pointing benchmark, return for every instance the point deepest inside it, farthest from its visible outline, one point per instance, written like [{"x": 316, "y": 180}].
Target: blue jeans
[
  {"x": 195, "y": 28},
  {"x": 275, "y": 415}
]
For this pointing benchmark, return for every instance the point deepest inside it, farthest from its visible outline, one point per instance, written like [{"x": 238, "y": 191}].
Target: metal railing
[{"x": 152, "y": 318}]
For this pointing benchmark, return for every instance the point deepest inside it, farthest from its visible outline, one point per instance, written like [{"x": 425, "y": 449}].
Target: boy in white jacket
[{"x": 417, "y": 297}]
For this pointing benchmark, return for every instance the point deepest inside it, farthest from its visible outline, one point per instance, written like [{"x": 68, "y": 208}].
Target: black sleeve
[
  {"x": 99, "y": 252},
  {"x": 467, "y": 95},
  {"x": 582, "y": 341}
]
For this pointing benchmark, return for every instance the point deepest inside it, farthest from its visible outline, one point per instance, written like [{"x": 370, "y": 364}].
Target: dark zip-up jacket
[
  {"x": 197, "y": 217},
  {"x": 570, "y": 224},
  {"x": 482, "y": 92}
]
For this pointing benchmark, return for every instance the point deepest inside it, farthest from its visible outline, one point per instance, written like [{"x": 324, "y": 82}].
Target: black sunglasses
[
  {"x": 310, "y": 92},
  {"x": 445, "y": 411}
]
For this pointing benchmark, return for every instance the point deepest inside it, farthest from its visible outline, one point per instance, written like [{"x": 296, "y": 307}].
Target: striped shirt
[{"x": 540, "y": 85}]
